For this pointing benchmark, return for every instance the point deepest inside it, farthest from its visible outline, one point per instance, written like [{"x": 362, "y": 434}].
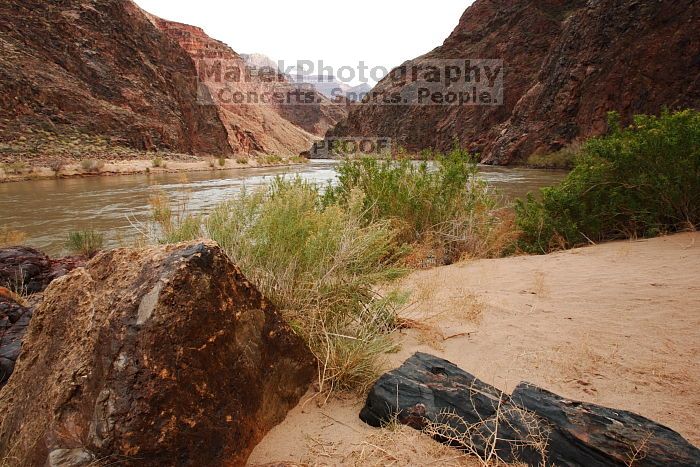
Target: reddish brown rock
[
  {"x": 160, "y": 356},
  {"x": 263, "y": 127},
  {"x": 100, "y": 68},
  {"x": 567, "y": 63},
  {"x": 28, "y": 270},
  {"x": 107, "y": 70}
]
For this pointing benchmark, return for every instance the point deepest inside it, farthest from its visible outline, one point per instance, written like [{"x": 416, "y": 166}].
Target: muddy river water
[{"x": 47, "y": 210}]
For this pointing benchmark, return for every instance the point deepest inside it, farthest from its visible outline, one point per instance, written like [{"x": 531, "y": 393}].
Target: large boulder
[
  {"x": 158, "y": 356},
  {"x": 533, "y": 426}
]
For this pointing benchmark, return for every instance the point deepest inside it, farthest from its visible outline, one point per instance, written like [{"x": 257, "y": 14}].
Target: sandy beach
[{"x": 616, "y": 324}]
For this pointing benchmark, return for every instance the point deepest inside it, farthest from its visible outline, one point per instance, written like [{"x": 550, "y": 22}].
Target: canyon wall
[
  {"x": 100, "y": 68},
  {"x": 287, "y": 128},
  {"x": 566, "y": 64},
  {"x": 110, "y": 70}
]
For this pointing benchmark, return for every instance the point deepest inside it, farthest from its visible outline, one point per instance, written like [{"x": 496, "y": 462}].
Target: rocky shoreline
[{"x": 135, "y": 167}]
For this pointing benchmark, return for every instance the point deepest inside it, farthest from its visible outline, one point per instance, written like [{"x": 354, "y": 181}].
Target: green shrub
[
  {"x": 298, "y": 160},
  {"x": 241, "y": 160},
  {"x": 173, "y": 224},
  {"x": 443, "y": 203},
  {"x": 565, "y": 158},
  {"x": 640, "y": 181},
  {"x": 85, "y": 242},
  {"x": 271, "y": 159},
  {"x": 15, "y": 168},
  {"x": 222, "y": 161}
]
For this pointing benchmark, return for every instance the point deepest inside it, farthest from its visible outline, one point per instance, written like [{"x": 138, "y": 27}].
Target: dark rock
[
  {"x": 24, "y": 268},
  {"x": 159, "y": 356},
  {"x": 531, "y": 426},
  {"x": 28, "y": 270},
  {"x": 589, "y": 434},
  {"x": 14, "y": 320}
]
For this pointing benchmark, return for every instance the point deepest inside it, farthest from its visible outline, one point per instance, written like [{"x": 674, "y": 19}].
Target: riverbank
[
  {"x": 614, "y": 324},
  {"x": 41, "y": 170}
]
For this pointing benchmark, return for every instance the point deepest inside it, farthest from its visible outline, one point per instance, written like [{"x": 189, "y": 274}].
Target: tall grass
[
  {"x": 442, "y": 204},
  {"x": 320, "y": 264},
  {"x": 173, "y": 222},
  {"x": 639, "y": 181},
  {"x": 321, "y": 256}
]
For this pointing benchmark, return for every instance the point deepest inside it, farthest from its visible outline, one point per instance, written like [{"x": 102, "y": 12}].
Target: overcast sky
[{"x": 378, "y": 32}]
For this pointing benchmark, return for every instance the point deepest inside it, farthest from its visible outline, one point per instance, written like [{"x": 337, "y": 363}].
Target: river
[{"x": 47, "y": 210}]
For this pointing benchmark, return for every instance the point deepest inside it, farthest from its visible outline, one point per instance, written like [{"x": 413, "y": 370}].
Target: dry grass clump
[
  {"x": 173, "y": 222},
  {"x": 401, "y": 445},
  {"x": 484, "y": 438},
  {"x": 158, "y": 162}
]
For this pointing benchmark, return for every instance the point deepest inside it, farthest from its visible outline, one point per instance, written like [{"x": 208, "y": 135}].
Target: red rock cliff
[
  {"x": 567, "y": 63},
  {"x": 101, "y": 68},
  {"x": 106, "y": 68},
  {"x": 263, "y": 127}
]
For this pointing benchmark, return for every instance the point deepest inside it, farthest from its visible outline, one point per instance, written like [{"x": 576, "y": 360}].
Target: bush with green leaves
[
  {"x": 85, "y": 242},
  {"x": 442, "y": 202},
  {"x": 639, "y": 181}
]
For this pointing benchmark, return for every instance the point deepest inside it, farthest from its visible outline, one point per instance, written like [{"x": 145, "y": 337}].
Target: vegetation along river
[{"x": 47, "y": 210}]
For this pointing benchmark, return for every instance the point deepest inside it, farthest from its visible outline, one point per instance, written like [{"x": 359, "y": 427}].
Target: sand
[{"x": 616, "y": 324}]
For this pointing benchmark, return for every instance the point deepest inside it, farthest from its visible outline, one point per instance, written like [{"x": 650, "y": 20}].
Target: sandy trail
[{"x": 616, "y": 324}]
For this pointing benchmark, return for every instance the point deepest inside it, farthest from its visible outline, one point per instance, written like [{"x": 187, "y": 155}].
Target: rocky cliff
[
  {"x": 566, "y": 64},
  {"x": 265, "y": 127},
  {"x": 107, "y": 69},
  {"x": 100, "y": 68}
]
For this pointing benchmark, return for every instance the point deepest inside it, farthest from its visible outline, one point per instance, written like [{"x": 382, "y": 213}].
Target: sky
[{"x": 381, "y": 33}]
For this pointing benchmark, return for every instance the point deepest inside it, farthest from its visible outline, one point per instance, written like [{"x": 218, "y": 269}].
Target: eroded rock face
[
  {"x": 161, "y": 356},
  {"x": 100, "y": 68},
  {"x": 263, "y": 127},
  {"x": 567, "y": 63}
]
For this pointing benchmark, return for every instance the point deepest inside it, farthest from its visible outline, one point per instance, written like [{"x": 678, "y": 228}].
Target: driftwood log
[{"x": 532, "y": 425}]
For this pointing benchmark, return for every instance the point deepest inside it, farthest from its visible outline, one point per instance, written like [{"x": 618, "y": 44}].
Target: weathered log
[
  {"x": 430, "y": 393},
  {"x": 532, "y": 425},
  {"x": 590, "y": 434}
]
